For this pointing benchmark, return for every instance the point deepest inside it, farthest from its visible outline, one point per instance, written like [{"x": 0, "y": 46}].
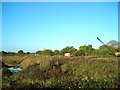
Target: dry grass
[{"x": 86, "y": 70}]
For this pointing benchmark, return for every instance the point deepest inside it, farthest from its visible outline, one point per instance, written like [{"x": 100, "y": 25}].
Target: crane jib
[
  {"x": 101, "y": 41},
  {"x": 110, "y": 52}
]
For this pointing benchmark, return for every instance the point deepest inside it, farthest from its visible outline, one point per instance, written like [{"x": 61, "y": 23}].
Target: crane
[{"x": 110, "y": 52}]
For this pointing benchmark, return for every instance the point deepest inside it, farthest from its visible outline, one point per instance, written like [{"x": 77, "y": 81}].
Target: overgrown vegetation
[
  {"x": 65, "y": 72},
  {"x": 85, "y": 50},
  {"x": 89, "y": 68}
]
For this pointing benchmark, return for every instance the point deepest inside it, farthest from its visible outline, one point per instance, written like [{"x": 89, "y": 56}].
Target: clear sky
[{"x": 52, "y": 25}]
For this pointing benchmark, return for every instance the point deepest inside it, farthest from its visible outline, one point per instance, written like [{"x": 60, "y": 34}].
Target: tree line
[{"x": 85, "y": 50}]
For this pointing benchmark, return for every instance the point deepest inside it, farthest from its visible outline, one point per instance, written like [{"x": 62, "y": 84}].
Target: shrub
[
  {"x": 66, "y": 68},
  {"x": 44, "y": 65}
]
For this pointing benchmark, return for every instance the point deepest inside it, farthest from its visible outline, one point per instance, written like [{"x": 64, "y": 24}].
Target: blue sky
[{"x": 51, "y": 25}]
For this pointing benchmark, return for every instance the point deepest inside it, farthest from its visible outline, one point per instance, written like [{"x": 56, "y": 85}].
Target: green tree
[
  {"x": 3, "y": 52},
  {"x": 48, "y": 52},
  {"x": 11, "y": 53},
  {"x": 107, "y": 50},
  {"x": 20, "y": 52},
  {"x": 56, "y": 52},
  {"x": 27, "y": 52},
  {"x": 104, "y": 47},
  {"x": 68, "y": 49},
  {"x": 86, "y": 50},
  {"x": 40, "y": 52}
]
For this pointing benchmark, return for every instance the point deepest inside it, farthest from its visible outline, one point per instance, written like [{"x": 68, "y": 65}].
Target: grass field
[{"x": 61, "y": 72}]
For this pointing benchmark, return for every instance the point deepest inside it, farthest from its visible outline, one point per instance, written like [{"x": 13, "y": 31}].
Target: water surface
[{"x": 15, "y": 69}]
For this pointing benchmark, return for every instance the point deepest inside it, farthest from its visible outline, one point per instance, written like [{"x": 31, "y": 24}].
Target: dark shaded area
[
  {"x": 4, "y": 68},
  {"x": 4, "y": 65}
]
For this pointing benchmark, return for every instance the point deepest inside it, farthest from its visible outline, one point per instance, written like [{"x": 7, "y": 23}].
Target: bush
[
  {"x": 44, "y": 65},
  {"x": 65, "y": 68}
]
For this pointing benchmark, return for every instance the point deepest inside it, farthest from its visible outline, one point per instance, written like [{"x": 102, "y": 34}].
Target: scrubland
[{"x": 61, "y": 72}]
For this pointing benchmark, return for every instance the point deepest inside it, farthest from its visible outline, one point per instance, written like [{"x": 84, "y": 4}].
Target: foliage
[
  {"x": 44, "y": 71},
  {"x": 56, "y": 52},
  {"x": 45, "y": 52},
  {"x": 44, "y": 65},
  {"x": 85, "y": 50},
  {"x": 39, "y": 52},
  {"x": 20, "y": 52},
  {"x": 107, "y": 50},
  {"x": 7, "y": 53},
  {"x": 65, "y": 68},
  {"x": 66, "y": 73},
  {"x": 68, "y": 50},
  {"x": 27, "y": 52},
  {"x": 3, "y": 52},
  {"x": 48, "y": 52}
]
